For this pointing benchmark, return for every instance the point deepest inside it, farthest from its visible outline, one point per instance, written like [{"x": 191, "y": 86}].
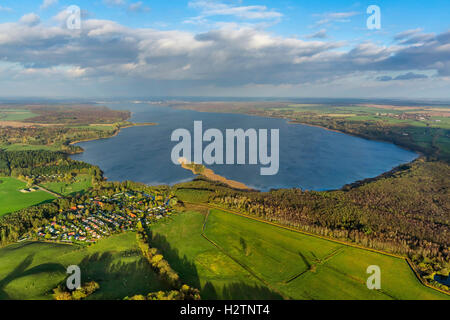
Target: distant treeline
[
  {"x": 71, "y": 113},
  {"x": 56, "y": 136},
  {"x": 433, "y": 142}
]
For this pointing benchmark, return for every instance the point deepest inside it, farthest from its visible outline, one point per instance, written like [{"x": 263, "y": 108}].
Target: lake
[{"x": 311, "y": 158}]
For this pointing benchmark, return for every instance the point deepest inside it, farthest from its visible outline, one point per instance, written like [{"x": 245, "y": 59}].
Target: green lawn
[
  {"x": 295, "y": 265},
  {"x": 11, "y": 199},
  {"x": 81, "y": 184},
  {"x": 31, "y": 270}
]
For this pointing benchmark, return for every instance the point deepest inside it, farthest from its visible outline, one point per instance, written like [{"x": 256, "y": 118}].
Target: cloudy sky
[{"x": 285, "y": 48}]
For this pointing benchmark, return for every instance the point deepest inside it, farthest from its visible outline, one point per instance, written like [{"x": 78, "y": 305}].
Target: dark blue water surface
[{"x": 310, "y": 158}]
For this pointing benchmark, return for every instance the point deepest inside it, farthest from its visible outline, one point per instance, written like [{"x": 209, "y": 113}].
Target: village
[
  {"x": 103, "y": 216},
  {"x": 408, "y": 116}
]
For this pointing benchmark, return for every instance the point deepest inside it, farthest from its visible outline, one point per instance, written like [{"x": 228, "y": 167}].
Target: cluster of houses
[
  {"x": 33, "y": 189},
  {"x": 406, "y": 116},
  {"x": 47, "y": 177},
  {"x": 102, "y": 216}
]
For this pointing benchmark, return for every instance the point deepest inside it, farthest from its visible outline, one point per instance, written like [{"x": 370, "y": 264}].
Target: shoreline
[
  {"x": 293, "y": 121},
  {"x": 116, "y": 132},
  {"x": 290, "y": 121},
  {"x": 420, "y": 155},
  {"x": 211, "y": 175}
]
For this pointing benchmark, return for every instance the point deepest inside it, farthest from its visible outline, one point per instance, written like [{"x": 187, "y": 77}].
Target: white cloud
[
  {"x": 321, "y": 34},
  {"x": 114, "y": 2},
  {"x": 30, "y": 19},
  {"x": 328, "y": 18},
  {"x": 138, "y": 7},
  {"x": 407, "y": 33},
  {"x": 231, "y": 55},
  {"x": 5, "y": 9},
  {"x": 48, "y": 3},
  {"x": 212, "y": 8}
]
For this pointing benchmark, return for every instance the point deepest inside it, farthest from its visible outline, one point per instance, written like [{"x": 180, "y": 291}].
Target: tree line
[{"x": 164, "y": 270}]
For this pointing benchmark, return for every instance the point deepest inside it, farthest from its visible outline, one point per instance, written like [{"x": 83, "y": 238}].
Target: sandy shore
[{"x": 208, "y": 173}]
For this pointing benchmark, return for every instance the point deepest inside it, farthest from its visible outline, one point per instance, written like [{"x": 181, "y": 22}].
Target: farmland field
[
  {"x": 28, "y": 147},
  {"x": 290, "y": 264},
  {"x": 11, "y": 199},
  {"x": 81, "y": 183},
  {"x": 15, "y": 115},
  {"x": 30, "y": 270},
  {"x": 200, "y": 264}
]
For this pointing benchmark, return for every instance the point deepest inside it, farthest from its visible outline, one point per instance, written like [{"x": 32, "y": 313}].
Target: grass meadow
[
  {"x": 276, "y": 262},
  {"x": 15, "y": 115},
  {"x": 82, "y": 183},
  {"x": 11, "y": 199},
  {"x": 30, "y": 270}
]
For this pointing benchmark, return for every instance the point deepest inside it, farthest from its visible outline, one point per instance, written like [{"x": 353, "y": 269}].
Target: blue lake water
[{"x": 310, "y": 158}]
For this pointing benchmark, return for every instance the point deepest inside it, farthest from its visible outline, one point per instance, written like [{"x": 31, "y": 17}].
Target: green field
[
  {"x": 15, "y": 115},
  {"x": 27, "y": 147},
  {"x": 361, "y": 113},
  {"x": 81, "y": 184},
  {"x": 11, "y": 199},
  {"x": 281, "y": 262},
  {"x": 31, "y": 270},
  {"x": 201, "y": 265}
]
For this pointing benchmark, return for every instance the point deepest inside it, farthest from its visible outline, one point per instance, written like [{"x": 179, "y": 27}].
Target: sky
[{"x": 226, "y": 48}]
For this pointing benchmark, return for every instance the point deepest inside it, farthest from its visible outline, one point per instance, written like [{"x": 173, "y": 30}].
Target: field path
[
  {"x": 264, "y": 282},
  {"x": 319, "y": 262},
  {"x": 48, "y": 191},
  {"x": 57, "y": 195},
  {"x": 406, "y": 259}
]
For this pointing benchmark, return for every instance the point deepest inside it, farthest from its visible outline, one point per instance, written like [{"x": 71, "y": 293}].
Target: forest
[
  {"x": 35, "y": 163},
  {"x": 70, "y": 114},
  {"x": 57, "y": 137}
]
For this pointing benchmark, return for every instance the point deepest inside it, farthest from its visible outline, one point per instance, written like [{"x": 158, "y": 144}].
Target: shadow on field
[
  {"x": 305, "y": 261},
  {"x": 118, "y": 279},
  {"x": 185, "y": 268},
  {"x": 244, "y": 291},
  {"x": 189, "y": 274},
  {"x": 22, "y": 271}
]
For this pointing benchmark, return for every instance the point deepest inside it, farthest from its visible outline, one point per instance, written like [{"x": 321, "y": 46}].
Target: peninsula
[{"x": 200, "y": 169}]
